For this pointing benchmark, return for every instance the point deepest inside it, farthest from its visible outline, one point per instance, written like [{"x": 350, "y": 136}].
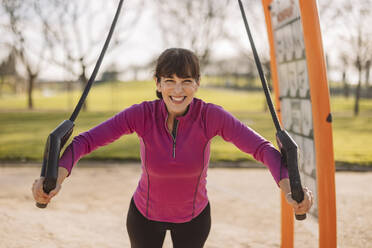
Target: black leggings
[{"x": 145, "y": 233}]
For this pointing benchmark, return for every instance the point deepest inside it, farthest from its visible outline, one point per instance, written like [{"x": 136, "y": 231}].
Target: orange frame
[{"x": 325, "y": 168}]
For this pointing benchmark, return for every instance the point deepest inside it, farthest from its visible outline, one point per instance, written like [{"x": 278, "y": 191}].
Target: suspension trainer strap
[
  {"x": 288, "y": 147},
  {"x": 98, "y": 64},
  {"x": 260, "y": 71}
]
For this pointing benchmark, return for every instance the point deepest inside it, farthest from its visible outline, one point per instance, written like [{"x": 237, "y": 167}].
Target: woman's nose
[{"x": 178, "y": 87}]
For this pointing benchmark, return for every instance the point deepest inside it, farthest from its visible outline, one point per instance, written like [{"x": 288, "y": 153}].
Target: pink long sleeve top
[{"x": 172, "y": 187}]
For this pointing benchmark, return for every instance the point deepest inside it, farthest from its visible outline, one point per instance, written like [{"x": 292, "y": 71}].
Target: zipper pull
[{"x": 174, "y": 149}]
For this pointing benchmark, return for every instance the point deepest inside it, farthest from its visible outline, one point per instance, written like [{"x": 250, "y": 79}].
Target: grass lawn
[{"x": 23, "y": 133}]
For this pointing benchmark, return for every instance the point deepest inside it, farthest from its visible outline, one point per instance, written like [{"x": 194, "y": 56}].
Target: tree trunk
[
  {"x": 345, "y": 84},
  {"x": 70, "y": 98},
  {"x": 368, "y": 88},
  {"x": 357, "y": 92},
  {"x": 2, "y": 81},
  {"x": 31, "y": 81},
  {"x": 84, "y": 81}
]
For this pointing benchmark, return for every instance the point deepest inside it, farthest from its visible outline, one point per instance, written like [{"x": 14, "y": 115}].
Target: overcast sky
[{"x": 144, "y": 42}]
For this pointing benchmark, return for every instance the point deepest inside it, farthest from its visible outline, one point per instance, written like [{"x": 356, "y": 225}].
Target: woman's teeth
[{"x": 177, "y": 99}]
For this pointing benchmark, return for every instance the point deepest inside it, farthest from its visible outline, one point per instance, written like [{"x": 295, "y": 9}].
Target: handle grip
[
  {"x": 56, "y": 140},
  {"x": 300, "y": 216},
  {"x": 41, "y": 205},
  {"x": 289, "y": 150},
  {"x": 294, "y": 179}
]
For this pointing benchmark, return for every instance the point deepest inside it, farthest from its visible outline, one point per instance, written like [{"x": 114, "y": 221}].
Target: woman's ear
[
  {"x": 158, "y": 86},
  {"x": 198, "y": 81}
]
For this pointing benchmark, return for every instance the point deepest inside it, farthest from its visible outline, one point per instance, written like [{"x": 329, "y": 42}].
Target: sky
[{"x": 144, "y": 41}]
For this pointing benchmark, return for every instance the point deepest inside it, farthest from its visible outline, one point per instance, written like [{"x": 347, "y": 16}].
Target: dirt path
[{"x": 90, "y": 210}]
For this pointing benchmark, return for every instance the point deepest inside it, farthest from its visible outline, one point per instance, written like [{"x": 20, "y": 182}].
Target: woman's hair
[{"x": 179, "y": 61}]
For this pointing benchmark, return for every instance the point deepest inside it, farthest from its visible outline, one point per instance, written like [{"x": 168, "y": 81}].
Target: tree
[
  {"x": 239, "y": 39},
  {"x": 195, "y": 25},
  {"x": 362, "y": 43},
  {"x": 344, "y": 67},
  {"x": 355, "y": 38},
  {"x": 29, "y": 49},
  {"x": 77, "y": 31},
  {"x": 368, "y": 87},
  {"x": 8, "y": 69}
]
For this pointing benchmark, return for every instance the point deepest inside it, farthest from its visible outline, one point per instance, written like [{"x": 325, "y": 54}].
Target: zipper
[{"x": 174, "y": 136}]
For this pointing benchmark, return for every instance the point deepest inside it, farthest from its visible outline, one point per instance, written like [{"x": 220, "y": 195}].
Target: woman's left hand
[{"x": 304, "y": 206}]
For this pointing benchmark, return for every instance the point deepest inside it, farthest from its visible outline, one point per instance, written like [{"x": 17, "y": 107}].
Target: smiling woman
[{"x": 175, "y": 134}]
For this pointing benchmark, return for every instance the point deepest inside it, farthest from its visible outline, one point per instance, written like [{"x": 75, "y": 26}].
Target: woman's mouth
[{"x": 177, "y": 99}]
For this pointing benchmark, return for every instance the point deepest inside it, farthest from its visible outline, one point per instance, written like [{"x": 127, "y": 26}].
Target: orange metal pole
[
  {"x": 287, "y": 219},
  {"x": 322, "y": 128},
  {"x": 287, "y": 224}
]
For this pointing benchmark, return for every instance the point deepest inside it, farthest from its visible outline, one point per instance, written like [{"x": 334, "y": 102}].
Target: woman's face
[{"x": 177, "y": 93}]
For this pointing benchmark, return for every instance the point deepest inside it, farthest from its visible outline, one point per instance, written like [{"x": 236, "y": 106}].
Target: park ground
[{"x": 91, "y": 208}]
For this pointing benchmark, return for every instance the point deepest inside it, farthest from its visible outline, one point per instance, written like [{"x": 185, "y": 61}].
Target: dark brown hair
[{"x": 179, "y": 61}]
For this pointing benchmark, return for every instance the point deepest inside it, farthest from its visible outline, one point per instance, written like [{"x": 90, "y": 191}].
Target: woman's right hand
[{"x": 39, "y": 195}]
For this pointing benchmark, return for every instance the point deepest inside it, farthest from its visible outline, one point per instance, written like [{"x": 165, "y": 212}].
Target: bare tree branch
[
  {"x": 20, "y": 15},
  {"x": 196, "y": 25}
]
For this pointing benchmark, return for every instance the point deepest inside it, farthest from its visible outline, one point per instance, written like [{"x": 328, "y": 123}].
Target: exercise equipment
[{"x": 287, "y": 145}]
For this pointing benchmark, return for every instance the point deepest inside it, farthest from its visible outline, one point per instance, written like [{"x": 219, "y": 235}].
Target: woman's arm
[
  {"x": 128, "y": 121},
  {"x": 62, "y": 174},
  {"x": 222, "y": 123},
  {"x": 285, "y": 186}
]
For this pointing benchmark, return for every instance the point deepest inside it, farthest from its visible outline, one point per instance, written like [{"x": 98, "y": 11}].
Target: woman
[{"x": 175, "y": 133}]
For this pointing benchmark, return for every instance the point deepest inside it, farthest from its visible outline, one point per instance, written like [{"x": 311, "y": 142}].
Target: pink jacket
[{"x": 172, "y": 187}]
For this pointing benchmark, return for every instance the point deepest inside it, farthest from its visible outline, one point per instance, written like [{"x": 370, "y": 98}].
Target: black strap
[
  {"x": 98, "y": 64},
  {"x": 260, "y": 71}
]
